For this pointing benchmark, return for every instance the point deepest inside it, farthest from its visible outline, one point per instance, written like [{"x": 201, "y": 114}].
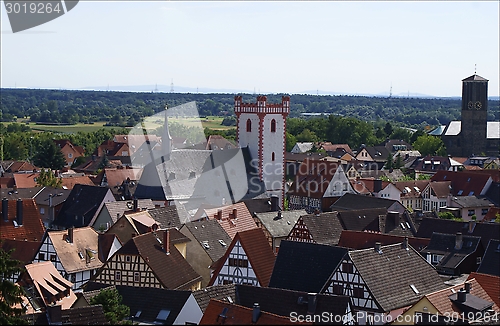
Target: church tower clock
[{"x": 474, "y": 115}]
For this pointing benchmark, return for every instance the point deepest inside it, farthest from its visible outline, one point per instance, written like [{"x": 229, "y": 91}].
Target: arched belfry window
[
  {"x": 273, "y": 125},
  {"x": 249, "y": 125},
  {"x": 273, "y": 157}
]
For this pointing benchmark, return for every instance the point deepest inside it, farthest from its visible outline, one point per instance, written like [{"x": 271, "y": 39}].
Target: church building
[{"x": 473, "y": 135}]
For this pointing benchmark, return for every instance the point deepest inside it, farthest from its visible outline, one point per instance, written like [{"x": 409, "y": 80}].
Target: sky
[{"x": 323, "y": 47}]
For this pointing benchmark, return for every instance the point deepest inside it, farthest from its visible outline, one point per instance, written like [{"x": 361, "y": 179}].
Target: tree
[
  {"x": 48, "y": 155},
  {"x": 10, "y": 293},
  {"x": 114, "y": 310},
  {"x": 47, "y": 178},
  {"x": 389, "y": 164},
  {"x": 429, "y": 145},
  {"x": 398, "y": 164},
  {"x": 388, "y": 129}
]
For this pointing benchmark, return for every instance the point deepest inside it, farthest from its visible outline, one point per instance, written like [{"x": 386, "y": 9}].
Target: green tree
[
  {"x": 388, "y": 129},
  {"x": 47, "y": 178},
  {"x": 114, "y": 310},
  {"x": 290, "y": 141},
  {"x": 307, "y": 136},
  {"x": 398, "y": 164},
  {"x": 389, "y": 164},
  {"x": 10, "y": 293},
  {"x": 429, "y": 145},
  {"x": 48, "y": 155}
]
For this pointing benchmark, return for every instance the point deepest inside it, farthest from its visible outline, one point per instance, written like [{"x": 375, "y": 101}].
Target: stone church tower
[{"x": 261, "y": 127}]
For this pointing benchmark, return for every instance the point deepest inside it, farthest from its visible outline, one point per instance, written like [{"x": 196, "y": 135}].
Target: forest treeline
[{"x": 127, "y": 108}]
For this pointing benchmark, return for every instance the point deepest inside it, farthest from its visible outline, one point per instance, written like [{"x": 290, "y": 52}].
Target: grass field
[{"x": 208, "y": 122}]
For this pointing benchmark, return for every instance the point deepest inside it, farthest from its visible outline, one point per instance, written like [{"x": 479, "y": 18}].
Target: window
[
  {"x": 53, "y": 258},
  {"x": 118, "y": 276},
  {"x": 345, "y": 186},
  {"x": 346, "y": 268},
  {"x": 358, "y": 292},
  {"x": 436, "y": 258},
  {"x": 42, "y": 210},
  {"x": 137, "y": 277},
  {"x": 478, "y": 260},
  {"x": 70, "y": 155},
  {"x": 128, "y": 259},
  {"x": 273, "y": 157},
  {"x": 484, "y": 211},
  {"x": 238, "y": 262},
  {"x": 249, "y": 125},
  {"x": 41, "y": 256},
  {"x": 273, "y": 125},
  {"x": 470, "y": 212},
  {"x": 338, "y": 289},
  {"x": 72, "y": 278}
]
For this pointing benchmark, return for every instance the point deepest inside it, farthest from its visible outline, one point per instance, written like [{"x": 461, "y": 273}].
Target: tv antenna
[
  {"x": 390, "y": 91},
  {"x": 172, "y": 86},
  {"x": 475, "y": 68}
]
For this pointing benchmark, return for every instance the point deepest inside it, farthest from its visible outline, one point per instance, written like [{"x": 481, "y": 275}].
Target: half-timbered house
[
  {"x": 74, "y": 253},
  {"x": 149, "y": 260},
  {"x": 383, "y": 280},
  {"x": 249, "y": 259},
  {"x": 323, "y": 228}
]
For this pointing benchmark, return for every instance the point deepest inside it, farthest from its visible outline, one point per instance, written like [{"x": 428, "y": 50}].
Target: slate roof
[
  {"x": 120, "y": 207},
  {"x": 280, "y": 226},
  {"x": 238, "y": 315},
  {"x": 490, "y": 284},
  {"x": 486, "y": 231},
  {"x": 223, "y": 292},
  {"x": 389, "y": 275},
  {"x": 105, "y": 243},
  {"x": 402, "y": 225},
  {"x": 363, "y": 240},
  {"x": 83, "y": 201},
  {"x": 258, "y": 251},
  {"x": 32, "y": 228},
  {"x": 85, "y": 242},
  {"x": 493, "y": 193},
  {"x": 170, "y": 216},
  {"x": 91, "y": 315},
  {"x": 470, "y": 202},
  {"x": 209, "y": 233},
  {"x": 353, "y": 201},
  {"x": 258, "y": 205},
  {"x": 283, "y": 302},
  {"x": 470, "y": 183},
  {"x": 377, "y": 153},
  {"x": 361, "y": 219},
  {"x": 490, "y": 263},
  {"x": 325, "y": 228},
  {"x": 444, "y": 244},
  {"x": 243, "y": 221},
  {"x": 442, "y": 302},
  {"x": 59, "y": 196},
  {"x": 172, "y": 270},
  {"x": 474, "y": 78},
  {"x": 306, "y": 267},
  {"x": 150, "y": 301}
]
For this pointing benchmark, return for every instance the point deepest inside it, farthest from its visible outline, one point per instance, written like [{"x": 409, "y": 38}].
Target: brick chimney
[
  {"x": 235, "y": 213},
  {"x": 404, "y": 245},
  {"x": 136, "y": 205},
  {"x": 5, "y": 209},
  {"x": 70, "y": 234},
  {"x": 219, "y": 214},
  {"x": 311, "y": 303},
  {"x": 377, "y": 247}
]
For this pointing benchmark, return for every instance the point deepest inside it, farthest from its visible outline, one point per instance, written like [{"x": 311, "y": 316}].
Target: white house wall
[
  {"x": 190, "y": 312},
  {"x": 237, "y": 274}
]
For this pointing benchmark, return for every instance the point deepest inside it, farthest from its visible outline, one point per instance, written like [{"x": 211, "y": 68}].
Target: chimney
[
  {"x": 274, "y": 203},
  {"x": 472, "y": 225},
  {"x": 404, "y": 245},
  {"x": 462, "y": 295},
  {"x": 458, "y": 241},
  {"x": 377, "y": 185},
  {"x": 166, "y": 241},
  {"x": 70, "y": 235},
  {"x": 219, "y": 214},
  {"x": 5, "y": 209},
  {"x": 468, "y": 287},
  {"x": 14, "y": 189},
  {"x": 311, "y": 303},
  {"x": 54, "y": 314},
  {"x": 255, "y": 313},
  {"x": 393, "y": 217},
  {"x": 235, "y": 213},
  {"x": 279, "y": 216},
  {"x": 377, "y": 247},
  {"x": 117, "y": 216},
  {"x": 19, "y": 206},
  {"x": 136, "y": 204}
]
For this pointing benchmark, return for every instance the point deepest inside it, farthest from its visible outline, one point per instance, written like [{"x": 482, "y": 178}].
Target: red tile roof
[
  {"x": 464, "y": 181},
  {"x": 32, "y": 228},
  {"x": 232, "y": 224},
  {"x": 24, "y": 251},
  {"x": 259, "y": 253},
  {"x": 225, "y": 313},
  {"x": 21, "y": 166},
  {"x": 116, "y": 177},
  {"x": 70, "y": 182},
  {"x": 313, "y": 178},
  {"x": 490, "y": 284},
  {"x": 363, "y": 240},
  {"x": 25, "y": 180}
]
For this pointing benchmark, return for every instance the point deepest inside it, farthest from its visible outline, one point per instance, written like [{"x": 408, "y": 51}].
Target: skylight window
[
  {"x": 205, "y": 244},
  {"x": 163, "y": 315},
  {"x": 402, "y": 226},
  {"x": 471, "y": 193},
  {"x": 414, "y": 289},
  {"x": 222, "y": 243},
  {"x": 460, "y": 192}
]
